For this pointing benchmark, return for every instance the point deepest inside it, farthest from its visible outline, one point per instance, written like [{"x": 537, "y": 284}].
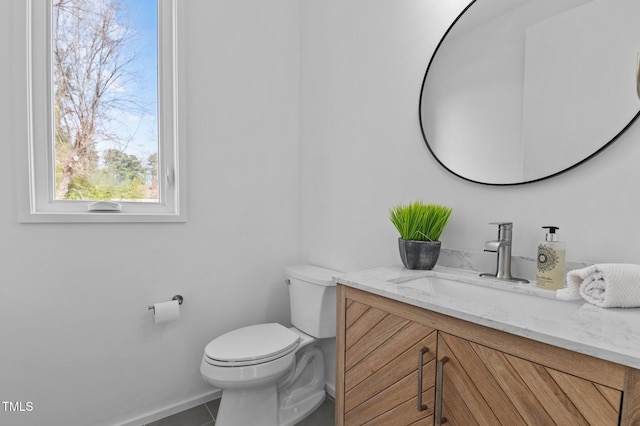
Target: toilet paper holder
[{"x": 177, "y": 297}]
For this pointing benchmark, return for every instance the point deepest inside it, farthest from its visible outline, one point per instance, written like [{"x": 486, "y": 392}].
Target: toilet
[{"x": 270, "y": 374}]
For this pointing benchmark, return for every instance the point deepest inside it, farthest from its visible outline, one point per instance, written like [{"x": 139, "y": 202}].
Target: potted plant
[{"x": 420, "y": 226}]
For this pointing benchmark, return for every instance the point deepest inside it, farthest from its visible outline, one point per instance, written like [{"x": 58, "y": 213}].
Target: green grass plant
[{"x": 418, "y": 221}]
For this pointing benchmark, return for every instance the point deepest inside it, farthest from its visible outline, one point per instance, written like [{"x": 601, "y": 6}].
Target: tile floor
[{"x": 205, "y": 415}]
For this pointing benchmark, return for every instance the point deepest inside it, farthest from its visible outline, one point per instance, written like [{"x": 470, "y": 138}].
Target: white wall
[
  {"x": 362, "y": 151},
  {"x": 76, "y": 338}
]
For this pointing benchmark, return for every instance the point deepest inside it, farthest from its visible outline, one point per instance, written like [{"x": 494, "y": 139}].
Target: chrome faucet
[{"x": 502, "y": 246}]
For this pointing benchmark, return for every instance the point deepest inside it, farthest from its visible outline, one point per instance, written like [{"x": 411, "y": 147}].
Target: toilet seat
[{"x": 252, "y": 345}]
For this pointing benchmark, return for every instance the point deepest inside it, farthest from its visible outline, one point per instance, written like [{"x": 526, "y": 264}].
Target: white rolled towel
[{"x": 608, "y": 285}]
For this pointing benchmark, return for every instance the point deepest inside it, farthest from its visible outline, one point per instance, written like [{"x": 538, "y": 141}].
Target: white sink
[{"x": 489, "y": 298}]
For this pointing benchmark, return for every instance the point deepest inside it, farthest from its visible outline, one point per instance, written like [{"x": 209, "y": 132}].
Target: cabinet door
[
  {"x": 482, "y": 386},
  {"x": 388, "y": 360}
]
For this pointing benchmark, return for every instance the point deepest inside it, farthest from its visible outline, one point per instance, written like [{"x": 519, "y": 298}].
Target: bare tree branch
[{"x": 91, "y": 67}]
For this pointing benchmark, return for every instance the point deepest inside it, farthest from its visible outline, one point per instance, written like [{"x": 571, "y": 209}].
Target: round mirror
[{"x": 521, "y": 90}]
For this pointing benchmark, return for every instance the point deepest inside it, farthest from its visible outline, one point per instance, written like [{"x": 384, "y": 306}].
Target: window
[{"x": 103, "y": 128}]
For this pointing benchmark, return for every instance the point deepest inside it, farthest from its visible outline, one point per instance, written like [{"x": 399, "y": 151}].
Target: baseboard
[
  {"x": 330, "y": 389},
  {"x": 175, "y": 408},
  {"x": 186, "y": 404}
]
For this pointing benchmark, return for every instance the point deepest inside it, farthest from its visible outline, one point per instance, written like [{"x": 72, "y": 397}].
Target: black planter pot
[{"x": 419, "y": 254}]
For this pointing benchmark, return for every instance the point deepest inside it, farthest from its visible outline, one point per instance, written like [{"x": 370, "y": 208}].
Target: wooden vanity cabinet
[
  {"x": 388, "y": 361},
  {"x": 482, "y": 386},
  {"x": 471, "y": 374}
]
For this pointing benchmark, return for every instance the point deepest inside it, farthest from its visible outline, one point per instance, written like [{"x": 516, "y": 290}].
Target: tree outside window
[{"x": 104, "y": 83}]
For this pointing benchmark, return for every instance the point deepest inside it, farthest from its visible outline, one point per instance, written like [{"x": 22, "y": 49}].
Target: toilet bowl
[
  {"x": 270, "y": 374},
  {"x": 250, "y": 356}
]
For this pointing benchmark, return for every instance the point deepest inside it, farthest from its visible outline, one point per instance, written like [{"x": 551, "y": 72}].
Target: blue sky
[
  {"x": 142, "y": 127},
  {"x": 143, "y": 15}
]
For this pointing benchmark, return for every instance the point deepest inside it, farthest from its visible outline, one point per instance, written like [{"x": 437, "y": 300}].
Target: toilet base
[
  {"x": 264, "y": 408},
  {"x": 279, "y": 404},
  {"x": 291, "y": 415},
  {"x": 249, "y": 407}
]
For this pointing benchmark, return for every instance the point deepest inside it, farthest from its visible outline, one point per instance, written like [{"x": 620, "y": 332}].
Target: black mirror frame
[{"x": 424, "y": 136}]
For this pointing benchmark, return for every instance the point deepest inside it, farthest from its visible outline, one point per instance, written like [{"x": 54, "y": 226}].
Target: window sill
[{"x": 102, "y": 217}]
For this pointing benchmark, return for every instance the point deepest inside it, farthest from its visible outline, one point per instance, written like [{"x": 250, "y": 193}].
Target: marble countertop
[{"x": 520, "y": 309}]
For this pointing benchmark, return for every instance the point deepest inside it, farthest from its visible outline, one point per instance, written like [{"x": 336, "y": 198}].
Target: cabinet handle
[
  {"x": 638, "y": 76},
  {"x": 420, "y": 361},
  {"x": 439, "y": 373}
]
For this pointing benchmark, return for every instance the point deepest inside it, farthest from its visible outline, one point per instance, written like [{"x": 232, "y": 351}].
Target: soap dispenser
[{"x": 551, "y": 256}]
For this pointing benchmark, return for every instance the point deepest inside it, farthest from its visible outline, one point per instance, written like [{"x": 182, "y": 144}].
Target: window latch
[
  {"x": 105, "y": 206},
  {"x": 170, "y": 176}
]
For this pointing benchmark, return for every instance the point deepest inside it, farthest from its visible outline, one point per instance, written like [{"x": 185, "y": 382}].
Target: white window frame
[{"x": 38, "y": 180}]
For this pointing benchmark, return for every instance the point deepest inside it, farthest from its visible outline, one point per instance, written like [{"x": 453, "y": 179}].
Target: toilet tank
[{"x": 312, "y": 295}]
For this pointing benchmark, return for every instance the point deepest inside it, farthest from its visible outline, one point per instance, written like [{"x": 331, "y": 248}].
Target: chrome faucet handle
[
  {"x": 504, "y": 230},
  {"x": 503, "y": 225}
]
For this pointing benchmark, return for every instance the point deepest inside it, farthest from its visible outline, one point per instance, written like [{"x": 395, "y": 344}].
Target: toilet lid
[{"x": 251, "y": 345}]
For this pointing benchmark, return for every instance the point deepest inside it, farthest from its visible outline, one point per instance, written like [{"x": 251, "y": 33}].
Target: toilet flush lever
[{"x": 287, "y": 281}]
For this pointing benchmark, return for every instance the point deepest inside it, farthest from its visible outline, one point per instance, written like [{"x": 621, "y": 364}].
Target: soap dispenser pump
[{"x": 551, "y": 259}]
